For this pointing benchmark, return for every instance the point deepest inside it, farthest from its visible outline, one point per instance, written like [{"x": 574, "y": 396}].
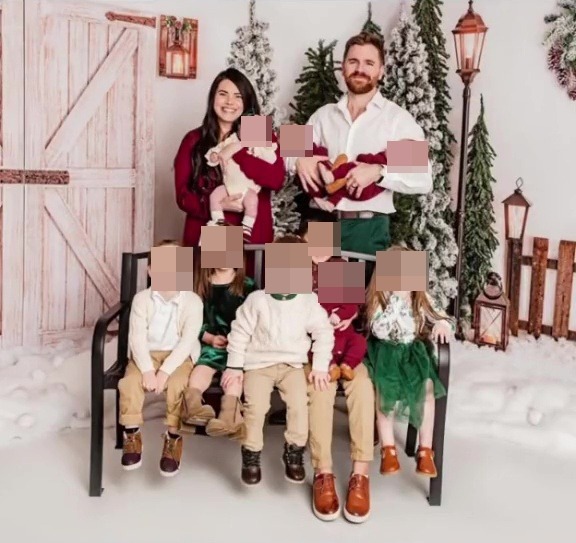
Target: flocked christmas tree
[
  {"x": 317, "y": 82},
  {"x": 428, "y": 16},
  {"x": 561, "y": 40},
  {"x": 480, "y": 241},
  {"x": 419, "y": 221},
  {"x": 251, "y": 53}
]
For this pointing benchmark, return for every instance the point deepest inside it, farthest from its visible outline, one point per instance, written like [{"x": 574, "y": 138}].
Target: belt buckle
[{"x": 365, "y": 214}]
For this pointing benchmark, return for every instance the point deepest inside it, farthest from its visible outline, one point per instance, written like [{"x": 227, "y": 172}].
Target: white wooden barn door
[{"x": 89, "y": 160}]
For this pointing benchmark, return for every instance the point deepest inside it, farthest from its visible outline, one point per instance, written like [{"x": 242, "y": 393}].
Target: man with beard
[{"x": 363, "y": 121}]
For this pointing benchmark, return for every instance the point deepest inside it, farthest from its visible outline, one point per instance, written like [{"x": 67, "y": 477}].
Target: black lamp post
[{"x": 469, "y": 37}]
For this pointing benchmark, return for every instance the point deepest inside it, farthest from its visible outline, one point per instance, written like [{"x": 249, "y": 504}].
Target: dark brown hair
[
  {"x": 366, "y": 38},
  {"x": 289, "y": 238},
  {"x": 204, "y": 282}
]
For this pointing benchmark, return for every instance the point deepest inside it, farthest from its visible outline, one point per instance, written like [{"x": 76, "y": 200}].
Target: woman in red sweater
[{"x": 231, "y": 96}]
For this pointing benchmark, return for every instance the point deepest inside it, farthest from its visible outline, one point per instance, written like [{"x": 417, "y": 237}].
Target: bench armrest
[
  {"x": 444, "y": 363},
  {"x": 99, "y": 341}
]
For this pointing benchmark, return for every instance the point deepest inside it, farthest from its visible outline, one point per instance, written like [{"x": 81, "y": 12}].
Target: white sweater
[
  {"x": 267, "y": 331},
  {"x": 190, "y": 313}
]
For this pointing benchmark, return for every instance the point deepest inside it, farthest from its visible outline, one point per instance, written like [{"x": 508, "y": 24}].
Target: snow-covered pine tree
[
  {"x": 251, "y": 53},
  {"x": 317, "y": 82},
  {"x": 419, "y": 221},
  {"x": 561, "y": 40},
  {"x": 480, "y": 241},
  {"x": 428, "y": 16}
]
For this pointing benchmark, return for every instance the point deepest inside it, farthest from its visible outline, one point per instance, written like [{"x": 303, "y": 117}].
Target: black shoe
[
  {"x": 293, "y": 459},
  {"x": 251, "y": 472}
]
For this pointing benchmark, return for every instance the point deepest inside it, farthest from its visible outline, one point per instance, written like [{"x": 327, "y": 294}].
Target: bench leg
[
  {"x": 435, "y": 497},
  {"x": 119, "y": 427},
  {"x": 97, "y": 443},
  {"x": 411, "y": 441}
]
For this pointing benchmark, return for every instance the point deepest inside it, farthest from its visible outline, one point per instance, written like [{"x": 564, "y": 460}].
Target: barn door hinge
[
  {"x": 34, "y": 177},
  {"x": 134, "y": 19}
]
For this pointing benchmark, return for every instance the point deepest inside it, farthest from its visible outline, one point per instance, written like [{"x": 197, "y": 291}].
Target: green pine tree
[
  {"x": 370, "y": 26},
  {"x": 428, "y": 15},
  {"x": 480, "y": 239},
  {"x": 318, "y": 83}
]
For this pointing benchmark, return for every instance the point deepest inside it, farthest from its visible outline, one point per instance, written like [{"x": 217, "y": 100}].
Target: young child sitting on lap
[{"x": 164, "y": 329}]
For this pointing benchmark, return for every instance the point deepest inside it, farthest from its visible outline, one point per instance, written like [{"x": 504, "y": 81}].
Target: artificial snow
[{"x": 526, "y": 395}]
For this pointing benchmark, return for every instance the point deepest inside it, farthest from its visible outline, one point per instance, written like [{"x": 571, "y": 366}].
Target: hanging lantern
[
  {"x": 516, "y": 208},
  {"x": 492, "y": 314},
  {"x": 178, "y": 41}
]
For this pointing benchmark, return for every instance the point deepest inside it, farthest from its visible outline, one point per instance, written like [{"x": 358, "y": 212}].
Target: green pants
[{"x": 365, "y": 235}]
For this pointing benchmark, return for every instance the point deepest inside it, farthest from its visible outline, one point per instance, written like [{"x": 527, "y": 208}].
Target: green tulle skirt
[{"x": 400, "y": 372}]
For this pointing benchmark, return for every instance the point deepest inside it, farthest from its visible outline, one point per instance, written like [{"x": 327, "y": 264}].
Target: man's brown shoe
[
  {"x": 132, "y": 450},
  {"x": 325, "y": 502},
  {"x": 334, "y": 372},
  {"x": 171, "y": 455},
  {"x": 357, "y": 508},
  {"x": 389, "y": 463},
  {"x": 425, "y": 462},
  {"x": 346, "y": 372}
]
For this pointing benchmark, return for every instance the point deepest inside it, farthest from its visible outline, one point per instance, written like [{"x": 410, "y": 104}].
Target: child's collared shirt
[{"x": 163, "y": 328}]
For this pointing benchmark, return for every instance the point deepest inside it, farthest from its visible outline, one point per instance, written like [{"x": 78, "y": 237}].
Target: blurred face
[
  {"x": 362, "y": 69},
  {"x": 228, "y": 103}
]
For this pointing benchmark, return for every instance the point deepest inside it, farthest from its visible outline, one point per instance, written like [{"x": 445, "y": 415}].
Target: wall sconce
[{"x": 178, "y": 47}]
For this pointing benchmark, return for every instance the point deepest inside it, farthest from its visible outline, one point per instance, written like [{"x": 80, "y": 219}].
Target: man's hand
[
  {"x": 342, "y": 325},
  {"x": 230, "y": 377},
  {"x": 219, "y": 342},
  {"x": 325, "y": 205},
  {"x": 161, "y": 378},
  {"x": 149, "y": 380},
  {"x": 307, "y": 170},
  {"x": 320, "y": 379},
  {"x": 361, "y": 176}
]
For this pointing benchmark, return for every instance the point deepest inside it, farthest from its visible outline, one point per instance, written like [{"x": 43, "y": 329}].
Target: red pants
[{"x": 349, "y": 347}]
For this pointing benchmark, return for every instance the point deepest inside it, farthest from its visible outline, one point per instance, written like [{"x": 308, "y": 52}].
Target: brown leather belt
[{"x": 356, "y": 214}]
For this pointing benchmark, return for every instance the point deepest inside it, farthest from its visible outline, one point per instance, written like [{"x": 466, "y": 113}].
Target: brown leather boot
[
  {"x": 325, "y": 502},
  {"x": 171, "y": 455},
  {"x": 230, "y": 421},
  {"x": 346, "y": 372},
  {"x": 132, "y": 450},
  {"x": 334, "y": 372},
  {"x": 251, "y": 472},
  {"x": 389, "y": 463},
  {"x": 425, "y": 462},
  {"x": 357, "y": 509},
  {"x": 194, "y": 412},
  {"x": 293, "y": 459}
]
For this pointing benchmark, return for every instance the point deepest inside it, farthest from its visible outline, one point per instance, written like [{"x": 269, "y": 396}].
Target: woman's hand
[{"x": 232, "y": 202}]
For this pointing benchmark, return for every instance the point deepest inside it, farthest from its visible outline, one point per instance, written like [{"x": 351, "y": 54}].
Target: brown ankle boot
[
  {"x": 230, "y": 421},
  {"x": 346, "y": 372},
  {"x": 389, "y": 463},
  {"x": 334, "y": 372},
  {"x": 194, "y": 412},
  {"x": 425, "y": 462}
]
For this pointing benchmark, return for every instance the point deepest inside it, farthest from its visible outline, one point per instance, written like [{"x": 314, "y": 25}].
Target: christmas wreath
[{"x": 561, "y": 41}]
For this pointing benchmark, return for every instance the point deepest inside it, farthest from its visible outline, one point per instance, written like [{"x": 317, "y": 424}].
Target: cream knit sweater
[
  {"x": 190, "y": 316},
  {"x": 267, "y": 331}
]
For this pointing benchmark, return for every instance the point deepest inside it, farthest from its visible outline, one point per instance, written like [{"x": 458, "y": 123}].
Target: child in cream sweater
[{"x": 270, "y": 340}]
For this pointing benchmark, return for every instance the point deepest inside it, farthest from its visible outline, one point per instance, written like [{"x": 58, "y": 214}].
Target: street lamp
[{"x": 469, "y": 37}]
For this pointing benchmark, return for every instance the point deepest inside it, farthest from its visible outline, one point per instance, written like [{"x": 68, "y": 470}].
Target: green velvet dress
[{"x": 219, "y": 312}]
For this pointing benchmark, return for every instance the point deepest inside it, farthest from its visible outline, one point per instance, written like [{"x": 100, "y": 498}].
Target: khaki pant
[
  {"x": 132, "y": 392},
  {"x": 360, "y": 402},
  {"x": 258, "y": 386}
]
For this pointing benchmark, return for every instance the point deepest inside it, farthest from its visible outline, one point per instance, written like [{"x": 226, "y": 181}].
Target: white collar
[
  {"x": 377, "y": 100},
  {"x": 175, "y": 300}
]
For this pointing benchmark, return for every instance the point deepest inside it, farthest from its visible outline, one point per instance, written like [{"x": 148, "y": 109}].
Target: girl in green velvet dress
[
  {"x": 222, "y": 290},
  {"x": 402, "y": 364}
]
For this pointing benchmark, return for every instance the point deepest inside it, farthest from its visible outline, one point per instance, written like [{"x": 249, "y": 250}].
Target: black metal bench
[{"x": 108, "y": 379}]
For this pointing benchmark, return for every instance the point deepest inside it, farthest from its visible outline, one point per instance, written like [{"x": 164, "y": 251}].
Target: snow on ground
[{"x": 526, "y": 395}]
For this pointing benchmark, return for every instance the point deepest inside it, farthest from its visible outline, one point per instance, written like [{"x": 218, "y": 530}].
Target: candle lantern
[
  {"x": 491, "y": 314},
  {"x": 178, "y": 42}
]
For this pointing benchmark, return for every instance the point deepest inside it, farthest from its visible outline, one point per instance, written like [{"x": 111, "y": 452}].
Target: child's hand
[
  {"x": 230, "y": 377},
  {"x": 334, "y": 318},
  {"x": 149, "y": 380},
  {"x": 161, "y": 378},
  {"x": 342, "y": 325},
  {"x": 441, "y": 331},
  {"x": 320, "y": 379},
  {"x": 219, "y": 342}
]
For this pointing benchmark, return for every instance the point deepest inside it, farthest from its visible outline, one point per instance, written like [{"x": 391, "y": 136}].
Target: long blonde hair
[{"x": 421, "y": 306}]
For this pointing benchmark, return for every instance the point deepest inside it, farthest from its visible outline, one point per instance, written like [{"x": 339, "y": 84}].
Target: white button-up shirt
[
  {"x": 383, "y": 121},
  {"x": 163, "y": 329}
]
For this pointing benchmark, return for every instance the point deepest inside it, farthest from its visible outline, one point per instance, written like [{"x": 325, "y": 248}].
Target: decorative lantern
[
  {"x": 178, "y": 41},
  {"x": 516, "y": 208},
  {"x": 491, "y": 314},
  {"x": 469, "y": 37}
]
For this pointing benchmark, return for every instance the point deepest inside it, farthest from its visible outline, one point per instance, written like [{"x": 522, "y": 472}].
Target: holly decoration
[{"x": 560, "y": 39}]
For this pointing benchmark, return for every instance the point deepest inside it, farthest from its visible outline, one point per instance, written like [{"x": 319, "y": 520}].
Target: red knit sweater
[{"x": 196, "y": 205}]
